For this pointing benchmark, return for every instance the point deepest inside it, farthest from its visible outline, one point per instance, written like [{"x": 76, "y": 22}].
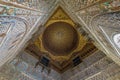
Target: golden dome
[{"x": 60, "y": 38}]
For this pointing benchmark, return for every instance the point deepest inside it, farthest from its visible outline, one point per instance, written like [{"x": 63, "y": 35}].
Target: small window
[
  {"x": 76, "y": 61},
  {"x": 116, "y": 39},
  {"x": 45, "y": 61}
]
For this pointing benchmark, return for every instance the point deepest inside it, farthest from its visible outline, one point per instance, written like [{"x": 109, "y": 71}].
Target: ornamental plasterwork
[
  {"x": 14, "y": 30},
  {"x": 20, "y": 69},
  {"x": 104, "y": 27},
  {"x": 9, "y": 26},
  {"x": 28, "y": 14},
  {"x": 108, "y": 20},
  {"x": 23, "y": 19},
  {"x": 36, "y": 5},
  {"x": 106, "y": 6},
  {"x": 79, "y": 4}
]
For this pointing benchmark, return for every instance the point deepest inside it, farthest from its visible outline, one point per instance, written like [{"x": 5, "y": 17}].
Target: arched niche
[
  {"x": 12, "y": 31},
  {"x": 104, "y": 27}
]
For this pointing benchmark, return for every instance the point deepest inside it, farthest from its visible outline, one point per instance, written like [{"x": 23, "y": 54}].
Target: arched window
[{"x": 116, "y": 39}]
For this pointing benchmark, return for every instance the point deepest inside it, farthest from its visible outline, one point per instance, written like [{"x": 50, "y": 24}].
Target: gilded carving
[{"x": 60, "y": 15}]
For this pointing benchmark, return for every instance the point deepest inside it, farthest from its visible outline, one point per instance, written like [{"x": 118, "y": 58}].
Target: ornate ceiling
[
  {"x": 33, "y": 14},
  {"x": 60, "y": 41}
]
